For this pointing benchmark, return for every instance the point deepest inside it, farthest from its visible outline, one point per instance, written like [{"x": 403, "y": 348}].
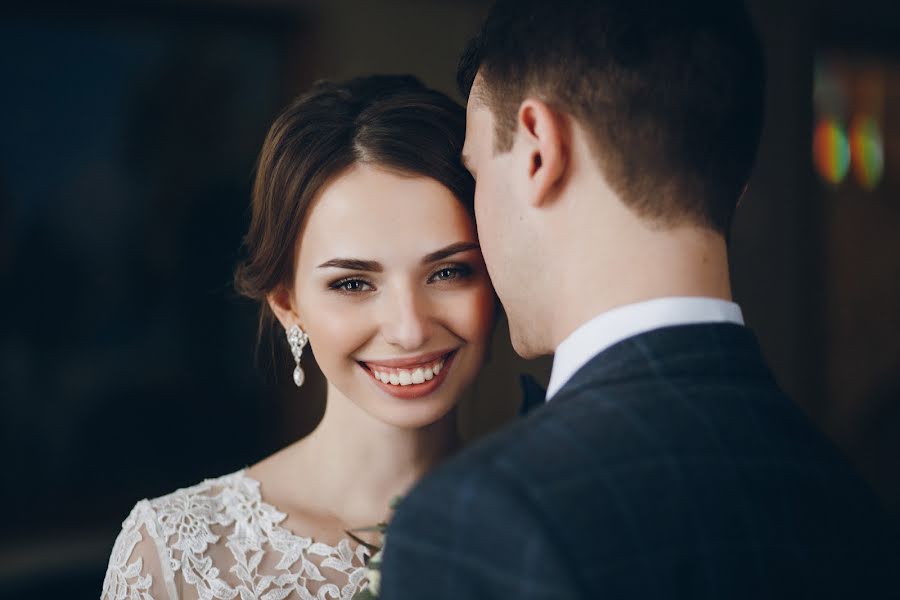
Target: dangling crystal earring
[{"x": 297, "y": 339}]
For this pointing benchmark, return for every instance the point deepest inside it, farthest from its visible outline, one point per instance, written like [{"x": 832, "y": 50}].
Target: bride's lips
[{"x": 421, "y": 363}]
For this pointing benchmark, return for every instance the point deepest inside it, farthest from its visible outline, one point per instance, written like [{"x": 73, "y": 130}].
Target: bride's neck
[{"x": 360, "y": 463}]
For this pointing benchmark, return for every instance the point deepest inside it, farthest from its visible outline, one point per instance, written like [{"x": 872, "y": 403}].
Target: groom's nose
[{"x": 405, "y": 321}]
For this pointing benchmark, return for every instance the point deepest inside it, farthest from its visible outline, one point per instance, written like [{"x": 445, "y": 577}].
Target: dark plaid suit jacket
[{"x": 670, "y": 466}]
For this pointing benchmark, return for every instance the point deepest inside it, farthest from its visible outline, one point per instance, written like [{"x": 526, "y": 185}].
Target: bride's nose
[{"x": 405, "y": 320}]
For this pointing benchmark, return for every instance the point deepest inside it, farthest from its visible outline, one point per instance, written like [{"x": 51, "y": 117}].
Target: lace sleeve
[{"x": 138, "y": 565}]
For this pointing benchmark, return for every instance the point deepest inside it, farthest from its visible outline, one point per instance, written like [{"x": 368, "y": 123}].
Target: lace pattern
[{"x": 218, "y": 540}]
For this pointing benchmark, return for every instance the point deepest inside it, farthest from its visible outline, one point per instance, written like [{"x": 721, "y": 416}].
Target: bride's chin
[{"x": 408, "y": 416}]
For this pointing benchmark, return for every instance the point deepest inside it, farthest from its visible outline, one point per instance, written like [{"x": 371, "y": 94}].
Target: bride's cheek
[
  {"x": 478, "y": 314},
  {"x": 339, "y": 328}
]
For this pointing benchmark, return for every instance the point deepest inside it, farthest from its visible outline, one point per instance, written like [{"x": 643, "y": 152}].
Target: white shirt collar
[{"x": 624, "y": 322}]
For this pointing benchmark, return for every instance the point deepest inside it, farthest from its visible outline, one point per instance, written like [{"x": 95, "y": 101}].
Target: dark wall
[
  {"x": 813, "y": 263},
  {"x": 126, "y": 361}
]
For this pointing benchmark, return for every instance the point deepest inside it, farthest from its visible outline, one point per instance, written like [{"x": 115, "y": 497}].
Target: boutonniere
[{"x": 371, "y": 588}]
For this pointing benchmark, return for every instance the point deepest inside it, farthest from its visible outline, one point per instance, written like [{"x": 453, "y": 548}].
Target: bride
[{"x": 363, "y": 245}]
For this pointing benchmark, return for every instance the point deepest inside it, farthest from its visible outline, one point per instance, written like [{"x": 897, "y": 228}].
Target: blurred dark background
[{"x": 128, "y": 133}]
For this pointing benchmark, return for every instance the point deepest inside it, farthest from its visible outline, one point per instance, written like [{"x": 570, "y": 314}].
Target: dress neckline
[{"x": 352, "y": 545}]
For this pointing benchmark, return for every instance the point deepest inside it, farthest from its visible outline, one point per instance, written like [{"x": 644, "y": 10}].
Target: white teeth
[{"x": 407, "y": 377}]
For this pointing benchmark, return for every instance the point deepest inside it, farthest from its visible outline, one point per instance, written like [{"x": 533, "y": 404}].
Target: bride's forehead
[
  {"x": 376, "y": 202},
  {"x": 384, "y": 218},
  {"x": 371, "y": 188}
]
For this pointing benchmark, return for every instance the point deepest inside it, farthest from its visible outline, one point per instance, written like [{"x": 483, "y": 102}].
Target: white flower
[{"x": 374, "y": 578}]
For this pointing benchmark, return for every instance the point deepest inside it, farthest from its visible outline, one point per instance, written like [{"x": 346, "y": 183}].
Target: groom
[{"x": 610, "y": 141}]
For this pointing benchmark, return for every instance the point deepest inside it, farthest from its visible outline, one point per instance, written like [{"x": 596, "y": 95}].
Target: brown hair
[
  {"x": 671, "y": 93},
  {"x": 391, "y": 121}
]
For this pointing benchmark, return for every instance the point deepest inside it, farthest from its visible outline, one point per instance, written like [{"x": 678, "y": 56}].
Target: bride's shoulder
[
  {"x": 207, "y": 493},
  {"x": 159, "y": 532},
  {"x": 189, "y": 512},
  {"x": 212, "y": 501}
]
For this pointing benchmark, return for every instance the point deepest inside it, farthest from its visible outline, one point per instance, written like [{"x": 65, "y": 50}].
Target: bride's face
[{"x": 391, "y": 288}]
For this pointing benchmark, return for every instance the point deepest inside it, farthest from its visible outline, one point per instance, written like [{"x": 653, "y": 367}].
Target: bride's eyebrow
[
  {"x": 352, "y": 264},
  {"x": 449, "y": 251},
  {"x": 356, "y": 264}
]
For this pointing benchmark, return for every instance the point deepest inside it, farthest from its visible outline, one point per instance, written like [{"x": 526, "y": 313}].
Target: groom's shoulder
[{"x": 607, "y": 471}]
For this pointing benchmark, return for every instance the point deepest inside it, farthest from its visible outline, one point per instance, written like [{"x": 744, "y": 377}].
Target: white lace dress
[{"x": 219, "y": 540}]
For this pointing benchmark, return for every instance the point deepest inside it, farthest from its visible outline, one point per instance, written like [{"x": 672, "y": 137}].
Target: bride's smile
[{"x": 410, "y": 377}]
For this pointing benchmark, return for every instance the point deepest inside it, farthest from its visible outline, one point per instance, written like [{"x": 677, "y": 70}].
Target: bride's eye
[
  {"x": 450, "y": 273},
  {"x": 351, "y": 286}
]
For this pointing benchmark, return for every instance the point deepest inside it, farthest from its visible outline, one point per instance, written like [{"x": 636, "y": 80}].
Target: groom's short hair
[{"x": 671, "y": 93}]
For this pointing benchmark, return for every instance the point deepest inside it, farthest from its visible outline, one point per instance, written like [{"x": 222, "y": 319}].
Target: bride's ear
[{"x": 282, "y": 303}]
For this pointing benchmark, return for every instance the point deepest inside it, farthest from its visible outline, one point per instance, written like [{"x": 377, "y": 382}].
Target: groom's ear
[{"x": 545, "y": 144}]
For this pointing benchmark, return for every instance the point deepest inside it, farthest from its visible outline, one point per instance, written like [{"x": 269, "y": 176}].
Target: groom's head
[{"x": 585, "y": 114}]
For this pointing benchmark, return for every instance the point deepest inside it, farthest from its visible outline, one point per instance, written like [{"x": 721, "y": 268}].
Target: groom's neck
[{"x": 609, "y": 269}]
